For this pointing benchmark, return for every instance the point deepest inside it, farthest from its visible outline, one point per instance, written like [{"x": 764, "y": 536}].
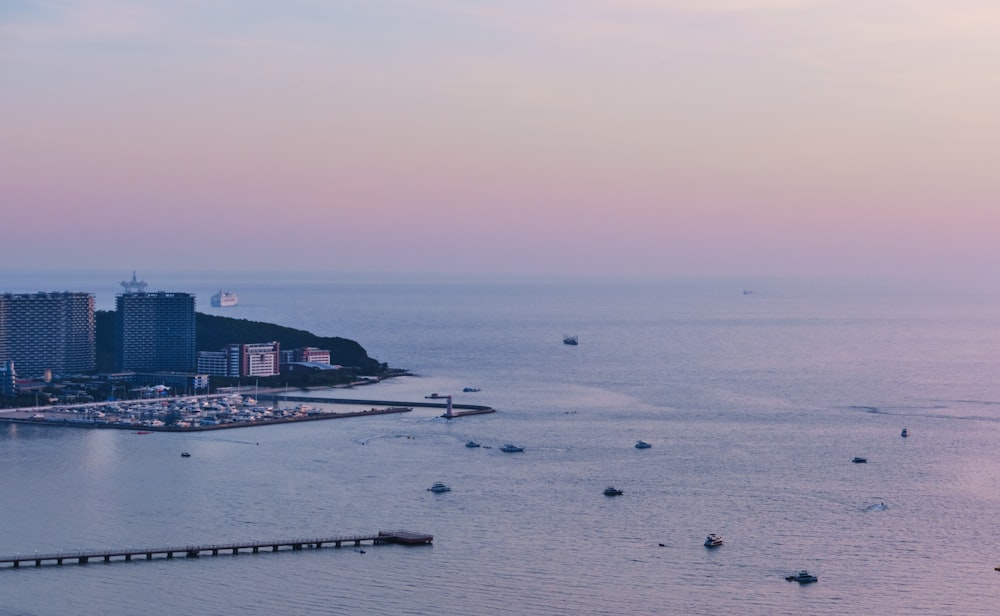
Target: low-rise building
[{"x": 242, "y": 360}]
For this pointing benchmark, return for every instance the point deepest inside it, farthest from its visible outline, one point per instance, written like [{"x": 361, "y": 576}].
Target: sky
[{"x": 633, "y": 138}]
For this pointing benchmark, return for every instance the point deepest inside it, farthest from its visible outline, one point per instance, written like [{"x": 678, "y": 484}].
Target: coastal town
[{"x": 56, "y": 349}]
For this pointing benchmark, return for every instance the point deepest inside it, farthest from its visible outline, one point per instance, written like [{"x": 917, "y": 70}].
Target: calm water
[{"x": 754, "y": 406}]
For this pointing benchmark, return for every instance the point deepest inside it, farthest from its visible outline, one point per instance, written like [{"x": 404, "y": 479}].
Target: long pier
[
  {"x": 83, "y": 557},
  {"x": 464, "y": 409}
]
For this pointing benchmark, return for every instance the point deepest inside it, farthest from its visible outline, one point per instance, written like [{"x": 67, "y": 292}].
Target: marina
[{"x": 217, "y": 412}]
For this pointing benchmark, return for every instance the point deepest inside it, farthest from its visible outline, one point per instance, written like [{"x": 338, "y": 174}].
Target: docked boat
[
  {"x": 508, "y": 448},
  {"x": 570, "y": 340},
  {"x": 642, "y": 445},
  {"x": 713, "y": 541},
  {"x": 802, "y": 577},
  {"x": 859, "y": 460},
  {"x": 471, "y": 444},
  {"x": 612, "y": 491},
  {"x": 905, "y": 433},
  {"x": 438, "y": 488},
  {"x": 224, "y": 299}
]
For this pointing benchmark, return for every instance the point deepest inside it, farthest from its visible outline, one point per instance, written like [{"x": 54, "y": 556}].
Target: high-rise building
[
  {"x": 48, "y": 332},
  {"x": 8, "y": 379},
  {"x": 155, "y": 332}
]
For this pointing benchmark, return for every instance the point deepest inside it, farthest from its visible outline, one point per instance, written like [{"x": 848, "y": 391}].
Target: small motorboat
[
  {"x": 470, "y": 390},
  {"x": 859, "y": 460},
  {"x": 508, "y": 448},
  {"x": 713, "y": 540},
  {"x": 612, "y": 491},
  {"x": 185, "y": 455},
  {"x": 438, "y": 488},
  {"x": 802, "y": 577},
  {"x": 471, "y": 444},
  {"x": 905, "y": 433},
  {"x": 570, "y": 340},
  {"x": 642, "y": 445}
]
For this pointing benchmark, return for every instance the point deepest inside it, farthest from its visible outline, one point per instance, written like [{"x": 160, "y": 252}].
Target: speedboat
[
  {"x": 438, "y": 488},
  {"x": 612, "y": 491},
  {"x": 508, "y": 448},
  {"x": 859, "y": 460},
  {"x": 713, "y": 541},
  {"x": 802, "y": 577},
  {"x": 471, "y": 444},
  {"x": 642, "y": 445}
]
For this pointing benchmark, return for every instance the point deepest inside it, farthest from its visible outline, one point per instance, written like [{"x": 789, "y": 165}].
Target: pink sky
[{"x": 638, "y": 137}]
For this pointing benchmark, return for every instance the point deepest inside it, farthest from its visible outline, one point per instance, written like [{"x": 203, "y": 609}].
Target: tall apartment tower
[
  {"x": 155, "y": 332},
  {"x": 42, "y": 332}
]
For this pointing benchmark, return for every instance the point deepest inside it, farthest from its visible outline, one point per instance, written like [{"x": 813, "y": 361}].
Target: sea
[{"x": 755, "y": 397}]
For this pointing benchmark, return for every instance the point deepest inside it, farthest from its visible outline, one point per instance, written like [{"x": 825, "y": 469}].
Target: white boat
[
  {"x": 223, "y": 299},
  {"x": 438, "y": 488},
  {"x": 612, "y": 491},
  {"x": 713, "y": 541},
  {"x": 642, "y": 445},
  {"x": 508, "y": 448}
]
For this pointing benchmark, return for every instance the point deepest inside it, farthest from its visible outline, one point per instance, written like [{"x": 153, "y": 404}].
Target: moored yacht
[
  {"x": 438, "y": 488},
  {"x": 713, "y": 540}
]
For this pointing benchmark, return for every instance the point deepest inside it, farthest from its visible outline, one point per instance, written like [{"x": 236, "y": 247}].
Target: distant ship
[{"x": 223, "y": 299}]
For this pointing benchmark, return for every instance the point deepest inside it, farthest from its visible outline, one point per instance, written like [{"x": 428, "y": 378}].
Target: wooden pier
[{"x": 83, "y": 557}]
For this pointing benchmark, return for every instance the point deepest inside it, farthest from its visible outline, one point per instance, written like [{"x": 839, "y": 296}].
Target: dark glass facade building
[
  {"x": 155, "y": 332},
  {"x": 40, "y": 332}
]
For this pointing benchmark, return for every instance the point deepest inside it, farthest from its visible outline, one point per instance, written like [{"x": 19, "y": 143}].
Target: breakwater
[{"x": 464, "y": 409}]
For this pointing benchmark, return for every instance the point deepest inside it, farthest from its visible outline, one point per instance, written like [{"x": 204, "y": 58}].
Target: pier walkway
[
  {"x": 193, "y": 551},
  {"x": 464, "y": 409}
]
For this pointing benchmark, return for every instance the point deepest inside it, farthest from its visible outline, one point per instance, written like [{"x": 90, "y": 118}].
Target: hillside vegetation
[{"x": 214, "y": 332}]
